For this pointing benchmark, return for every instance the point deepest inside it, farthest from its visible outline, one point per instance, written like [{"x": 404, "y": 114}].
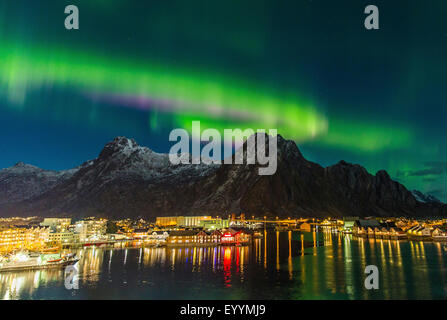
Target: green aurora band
[{"x": 218, "y": 100}]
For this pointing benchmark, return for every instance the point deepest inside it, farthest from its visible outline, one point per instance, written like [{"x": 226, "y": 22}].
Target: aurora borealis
[{"x": 307, "y": 68}]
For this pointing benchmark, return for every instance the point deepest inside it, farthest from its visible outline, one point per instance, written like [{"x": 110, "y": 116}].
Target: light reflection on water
[{"x": 276, "y": 267}]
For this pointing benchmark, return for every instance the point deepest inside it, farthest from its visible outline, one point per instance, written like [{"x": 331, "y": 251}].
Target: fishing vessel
[{"x": 23, "y": 261}]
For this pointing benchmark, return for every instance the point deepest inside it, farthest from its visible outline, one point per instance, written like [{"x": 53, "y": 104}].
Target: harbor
[{"x": 302, "y": 265}]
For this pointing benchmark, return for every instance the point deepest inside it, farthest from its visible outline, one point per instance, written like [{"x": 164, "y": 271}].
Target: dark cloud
[
  {"x": 432, "y": 168},
  {"x": 425, "y": 172}
]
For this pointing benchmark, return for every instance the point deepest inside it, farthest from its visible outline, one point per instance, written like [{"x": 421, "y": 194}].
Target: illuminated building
[
  {"x": 214, "y": 223},
  {"x": 141, "y": 234},
  {"x": 181, "y": 221},
  {"x": 63, "y": 237},
  {"x": 181, "y": 237},
  {"x": 397, "y": 233},
  {"x": 23, "y": 238},
  {"x": 363, "y": 227},
  {"x": 348, "y": 223},
  {"x": 166, "y": 221},
  {"x": 191, "y": 238},
  {"x": 125, "y": 225},
  {"x": 158, "y": 236},
  {"x": 420, "y": 231},
  {"x": 206, "y": 237},
  {"x": 57, "y": 224},
  {"x": 305, "y": 226},
  {"x": 91, "y": 229},
  {"x": 234, "y": 236}
]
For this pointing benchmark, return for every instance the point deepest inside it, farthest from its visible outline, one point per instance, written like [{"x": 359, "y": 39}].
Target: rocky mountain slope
[
  {"x": 127, "y": 180},
  {"x": 24, "y": 181},
  {"x": 423, "y": 197}
]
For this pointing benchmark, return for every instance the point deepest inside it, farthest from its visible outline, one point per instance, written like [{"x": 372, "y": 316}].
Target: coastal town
[{"x": 37, "y": 234}]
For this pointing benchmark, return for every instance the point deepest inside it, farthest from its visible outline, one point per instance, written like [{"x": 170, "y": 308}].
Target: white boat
[{"x": 23, "y": 261}]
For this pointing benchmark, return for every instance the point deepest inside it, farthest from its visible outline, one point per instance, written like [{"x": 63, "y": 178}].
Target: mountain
[
  {"x": 127, "y": 180},
  {"x": 24, "y": 181},
  {"x": 306, "y": 188},
  {"x": 425, "y": 198}
]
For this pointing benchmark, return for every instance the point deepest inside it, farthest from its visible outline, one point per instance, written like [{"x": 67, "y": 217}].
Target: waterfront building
[
  {"x": 65, "y": 237},
  {"x": 365, "y": 227},
  {"x": 385, "y": 233},
  {"x": 420, "y": 231},
  {"x": 202, "y": 237},
  {"x": 206, "y": 237},
  {"x": 397, "y": 233},
  {"x": 306, "y": 226},
  {"x": 216, "y": 235},
  {"x": 91, "y": 229},
  {"x": 181, "y": 237},
  {"x": 234, "y": 235},
  {"x": 23, "y": 238},
  {"x": 348, "y": 223},
  {"x": 192, "y": 237},
  {"x": 377, "y": 232},
  {"x": 158, "y": 236},
  {"x": 140, "y": 234}
]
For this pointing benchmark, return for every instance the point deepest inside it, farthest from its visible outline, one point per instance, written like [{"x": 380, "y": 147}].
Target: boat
[{"x": 23, "y": 261}]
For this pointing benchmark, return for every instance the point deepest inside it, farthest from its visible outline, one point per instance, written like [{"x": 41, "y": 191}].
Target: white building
[
  {"x": 91, "y": 229},
  {"x": 63, "y": 237},
  {"x": 158, "y": 236},
  {"x": 57, "y": 224}
]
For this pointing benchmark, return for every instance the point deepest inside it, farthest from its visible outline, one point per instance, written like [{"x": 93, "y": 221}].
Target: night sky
[{"x": 308, "y": 68}]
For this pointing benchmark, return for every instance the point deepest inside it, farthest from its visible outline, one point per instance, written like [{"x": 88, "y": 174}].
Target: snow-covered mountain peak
[
  {"x": 424, "y": 198},
  {"x": 123, "y": 146},
  {"x": 22, "y": 165}
]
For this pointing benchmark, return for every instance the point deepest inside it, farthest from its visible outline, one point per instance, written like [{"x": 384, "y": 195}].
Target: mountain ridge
[{"x": 128, "y": 180}]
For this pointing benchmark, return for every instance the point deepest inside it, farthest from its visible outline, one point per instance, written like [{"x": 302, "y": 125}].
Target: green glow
[
  {"x": 366, "y": 137},
  {"x": 189, "y": 91},
  {"x": 217, "y": 100}
]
